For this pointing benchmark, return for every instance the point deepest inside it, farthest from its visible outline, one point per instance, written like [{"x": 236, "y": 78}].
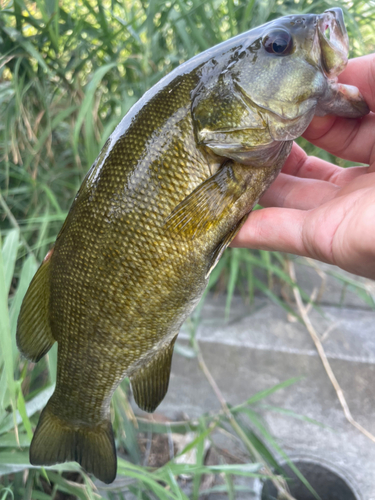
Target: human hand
[{"x": 317, "y": 209}]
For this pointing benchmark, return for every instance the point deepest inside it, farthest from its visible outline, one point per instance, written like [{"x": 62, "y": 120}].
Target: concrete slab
[
  {"x": 259, "y": 347},
  {"x": 340, "y": 288},
  {"x": 336, "y": 287}
]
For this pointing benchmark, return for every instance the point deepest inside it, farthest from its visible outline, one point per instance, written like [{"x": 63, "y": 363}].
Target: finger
[
  {"x": 361, "y": 182},
  {"x": 360, "y": 72},
  {"x": 339, "y": 232},
  {"x": 288, "y": 191},
  {"x": 352, "y": 139},
  {"x": 273, "y": 229},
  {"x": 348, "y": 138},
  {"x": 299, "y": 164},
  {"x": 302, "y": 194},
  {"x": 307, "y": 233}
]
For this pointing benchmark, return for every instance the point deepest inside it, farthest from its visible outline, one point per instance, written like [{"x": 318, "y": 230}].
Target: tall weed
[{"x": 68, "y": 72}]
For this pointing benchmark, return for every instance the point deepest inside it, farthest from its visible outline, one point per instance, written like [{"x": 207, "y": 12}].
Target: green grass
[{"x": 68, "y": 72}]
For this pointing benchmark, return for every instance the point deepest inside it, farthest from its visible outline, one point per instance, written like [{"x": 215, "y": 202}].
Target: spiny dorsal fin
[
  {"x": 206, "y": 204},
  {"x": 150, "y": 383},
  {"x": 34, "y": 336},
  {"x": 219, "y": 250}
]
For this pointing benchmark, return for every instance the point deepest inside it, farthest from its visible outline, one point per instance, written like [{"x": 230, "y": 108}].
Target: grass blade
[
  {"x": 10, "y": 249},
  {"x": 6, "y": 355},
  {"x": 87, "y": 103}
]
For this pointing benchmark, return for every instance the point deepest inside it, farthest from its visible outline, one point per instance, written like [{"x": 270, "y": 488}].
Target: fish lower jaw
[{"x": 342, "y": 100}]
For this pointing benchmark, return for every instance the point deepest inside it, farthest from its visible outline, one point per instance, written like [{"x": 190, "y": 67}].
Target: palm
[{"x": 318, "y": 209}]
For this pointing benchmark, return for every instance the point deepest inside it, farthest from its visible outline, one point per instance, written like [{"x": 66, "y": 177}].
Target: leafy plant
[{"x": 68, "y": 73}]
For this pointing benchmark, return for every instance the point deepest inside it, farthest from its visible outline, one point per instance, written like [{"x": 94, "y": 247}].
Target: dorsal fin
[
  {"x": 34, "y": 336},
  {"x": 150, "y": 383}
]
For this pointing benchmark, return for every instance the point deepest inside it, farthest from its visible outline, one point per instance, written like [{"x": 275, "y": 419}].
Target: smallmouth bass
[{"x": 167, "y": 194}]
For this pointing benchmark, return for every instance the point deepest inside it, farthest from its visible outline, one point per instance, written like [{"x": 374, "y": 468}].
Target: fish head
[
  {"x": 279, "y": 76},
  {"x": 294, "y": 74}
]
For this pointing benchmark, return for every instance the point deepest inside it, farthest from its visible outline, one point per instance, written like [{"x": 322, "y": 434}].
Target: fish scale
[
  {"x": 169, "y": 191},
  {"x": 124, "y": 216}
]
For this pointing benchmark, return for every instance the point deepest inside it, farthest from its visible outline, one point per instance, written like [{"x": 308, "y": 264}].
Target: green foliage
[{"x": 68, "y": 72}]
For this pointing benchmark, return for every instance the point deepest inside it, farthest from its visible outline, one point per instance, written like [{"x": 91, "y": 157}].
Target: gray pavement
[{"x": 259, "y": 346}]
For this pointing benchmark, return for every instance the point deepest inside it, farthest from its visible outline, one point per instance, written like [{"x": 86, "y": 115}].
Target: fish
[{"x": 167, "y": 194}]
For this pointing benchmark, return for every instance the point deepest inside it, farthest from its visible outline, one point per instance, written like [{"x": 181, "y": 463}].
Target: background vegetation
[{"x": 68, "y": 72}]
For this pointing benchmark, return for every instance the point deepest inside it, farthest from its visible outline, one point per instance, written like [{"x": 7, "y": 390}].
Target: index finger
[{"x": 348, "y": 138}]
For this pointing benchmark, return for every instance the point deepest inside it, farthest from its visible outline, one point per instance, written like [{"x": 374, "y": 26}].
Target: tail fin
[{"x": 56, "y": 441}]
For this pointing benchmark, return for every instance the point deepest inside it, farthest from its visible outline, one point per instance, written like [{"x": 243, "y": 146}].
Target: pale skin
[{"x": 316, "y": 209}]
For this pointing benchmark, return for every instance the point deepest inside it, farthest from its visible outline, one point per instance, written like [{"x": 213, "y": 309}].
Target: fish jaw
[
  {"x": 335, "y": 48},
  {"x": 342, "y": 100},
  {"x": 281, "y": 90},
  {"x": 339, "y": 99}
]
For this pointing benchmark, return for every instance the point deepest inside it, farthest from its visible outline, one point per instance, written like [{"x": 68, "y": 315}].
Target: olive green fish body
[
  {"x": 167, "y": 194},
  {"x": 127, "y": 274},
  {"x": 134, "y": 281}
]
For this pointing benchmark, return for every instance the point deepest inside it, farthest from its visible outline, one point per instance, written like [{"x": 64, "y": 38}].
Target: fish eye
[{"x": 278, "y": 42}]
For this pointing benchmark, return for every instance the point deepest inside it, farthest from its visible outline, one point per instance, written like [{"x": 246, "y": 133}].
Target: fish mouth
[
  {"x": 334, "y": 42},
  {"x": 341, "y": 99}
]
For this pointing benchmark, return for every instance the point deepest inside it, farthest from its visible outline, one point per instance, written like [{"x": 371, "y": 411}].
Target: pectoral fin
[
  {"x": 150, "y": 383},
  {"x": 219, "y": 250},
  {"x": 34, "y": 336},
  {"x": 207, "y": 203}
]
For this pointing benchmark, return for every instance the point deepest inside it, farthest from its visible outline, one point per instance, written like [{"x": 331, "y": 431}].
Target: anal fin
[
  {"x": 225, "y": 242},
  {"x": 150, "y": 383},
  {"x": 34, "y": 336}
]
